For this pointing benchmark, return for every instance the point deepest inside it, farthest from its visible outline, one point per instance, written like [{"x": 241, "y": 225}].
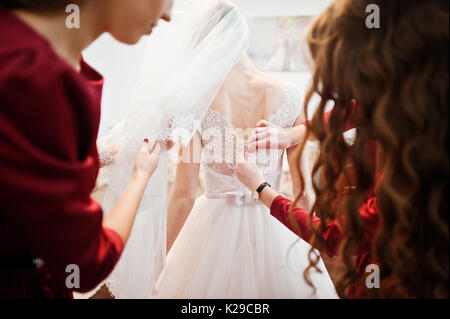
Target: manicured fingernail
[{"x": 146, "y": 140}]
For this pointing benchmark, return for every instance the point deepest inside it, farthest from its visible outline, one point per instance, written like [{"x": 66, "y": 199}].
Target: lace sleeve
[
  {"x": 104, "y": 155},
  {"x": 182, "y": 127},
  {"x": 292, "y": 108}
]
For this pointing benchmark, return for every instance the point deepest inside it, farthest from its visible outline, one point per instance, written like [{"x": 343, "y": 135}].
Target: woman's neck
[{"x": 67, "y": 43}]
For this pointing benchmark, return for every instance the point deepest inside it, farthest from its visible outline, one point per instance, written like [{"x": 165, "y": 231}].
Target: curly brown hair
[{"x": 398, "y": 74}]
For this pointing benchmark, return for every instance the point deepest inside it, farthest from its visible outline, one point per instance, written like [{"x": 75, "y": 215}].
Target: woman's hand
[
  {"x": 270, "y": 136},
  {"x": 122, "y": 215},
  {"x": 249, "y": 173},
  {"x": 147, "y": 160}
]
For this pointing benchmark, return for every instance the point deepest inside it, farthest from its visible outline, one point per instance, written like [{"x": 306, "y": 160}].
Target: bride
[
  {"x": 229, "y": 246},
  {"x": 197, "y": 86},
  {"x": 184, "y": 64}
]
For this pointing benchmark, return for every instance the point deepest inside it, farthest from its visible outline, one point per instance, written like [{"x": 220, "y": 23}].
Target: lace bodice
[{"x": 222, "y": 144}]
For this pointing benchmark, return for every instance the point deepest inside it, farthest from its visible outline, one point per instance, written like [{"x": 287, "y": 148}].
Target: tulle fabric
[
  {"x": 144, "y": 255},
  {"x": 229, "y": 251}
]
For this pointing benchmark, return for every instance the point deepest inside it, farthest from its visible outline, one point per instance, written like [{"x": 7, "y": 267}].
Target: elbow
[
  {"x": 91, "y": 276},
  {"x": 98, "y": 264},
  {"x": 82, "y": 278},
  {"x": 182, "y": 199},
  {"x": 185, "y": 204}
]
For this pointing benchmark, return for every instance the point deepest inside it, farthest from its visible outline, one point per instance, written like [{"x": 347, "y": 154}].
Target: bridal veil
[{"x": 185, "y": 63}]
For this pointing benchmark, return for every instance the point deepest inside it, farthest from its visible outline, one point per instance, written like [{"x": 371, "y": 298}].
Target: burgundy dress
[{"x": 49, "y": 120}]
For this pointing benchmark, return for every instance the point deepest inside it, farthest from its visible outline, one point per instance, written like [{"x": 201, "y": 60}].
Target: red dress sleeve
[
  {"x": 49, "y": 121},
  {"x": 299, "y": 224}
]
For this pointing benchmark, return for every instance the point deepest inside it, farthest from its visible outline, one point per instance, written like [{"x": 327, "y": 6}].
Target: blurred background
[{"x": 276, "y": 26}]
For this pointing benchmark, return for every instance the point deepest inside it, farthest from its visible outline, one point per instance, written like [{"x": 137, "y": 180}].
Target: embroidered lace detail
[
  {"x": 222, "y": 144},
  {"x": 291, "y": 110},
  {"x": 181, "y": 128},
  {"x": 104, "y": 155}
]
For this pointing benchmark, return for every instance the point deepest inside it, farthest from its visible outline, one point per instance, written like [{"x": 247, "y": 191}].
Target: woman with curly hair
[{"x": 394, "y": 211}]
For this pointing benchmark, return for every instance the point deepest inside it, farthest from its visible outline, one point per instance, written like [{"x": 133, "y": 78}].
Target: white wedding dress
[{"x": 230, "y": 246}]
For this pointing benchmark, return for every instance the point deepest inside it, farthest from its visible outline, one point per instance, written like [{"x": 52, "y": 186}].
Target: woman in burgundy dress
[
  {"x": 49, "y": 120},
  {"x": 393, "y": 217}
]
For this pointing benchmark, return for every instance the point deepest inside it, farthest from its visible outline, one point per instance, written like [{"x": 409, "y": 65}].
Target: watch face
[{"x": 256, "y": 195}]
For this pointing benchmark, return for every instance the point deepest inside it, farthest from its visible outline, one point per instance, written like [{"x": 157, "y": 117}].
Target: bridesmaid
[
  {"x": 394, "y": 216},
  {"x": 50, "y": 228}
]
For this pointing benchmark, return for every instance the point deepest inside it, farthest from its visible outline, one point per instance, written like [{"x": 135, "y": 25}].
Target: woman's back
[{"x": 247, "y": 97}]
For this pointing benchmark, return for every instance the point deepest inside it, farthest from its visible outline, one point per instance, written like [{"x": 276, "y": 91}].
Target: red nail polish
[{"x": 146, "y": 140}]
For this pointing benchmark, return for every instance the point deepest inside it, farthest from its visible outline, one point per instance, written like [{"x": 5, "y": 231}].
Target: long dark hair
[{"x": 398, "y": 74}]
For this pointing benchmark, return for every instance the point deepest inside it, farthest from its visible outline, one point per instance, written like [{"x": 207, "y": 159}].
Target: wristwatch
[{"x": 257, "y": 193}]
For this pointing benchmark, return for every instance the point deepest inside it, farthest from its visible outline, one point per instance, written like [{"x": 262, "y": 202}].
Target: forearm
[
  {"x": 268, "y": 195},
  {"x": 301, "y": 226},
  {"x": 298, "y": 222},
  {"x": 122, "y": 215},
  {"x": 177, "y": 213}
]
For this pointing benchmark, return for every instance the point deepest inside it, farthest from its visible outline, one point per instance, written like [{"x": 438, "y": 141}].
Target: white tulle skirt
[{"x": 228, "y": 251}]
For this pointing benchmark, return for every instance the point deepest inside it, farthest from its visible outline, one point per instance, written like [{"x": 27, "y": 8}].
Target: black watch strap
[{"x": 263, "y": 185}]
